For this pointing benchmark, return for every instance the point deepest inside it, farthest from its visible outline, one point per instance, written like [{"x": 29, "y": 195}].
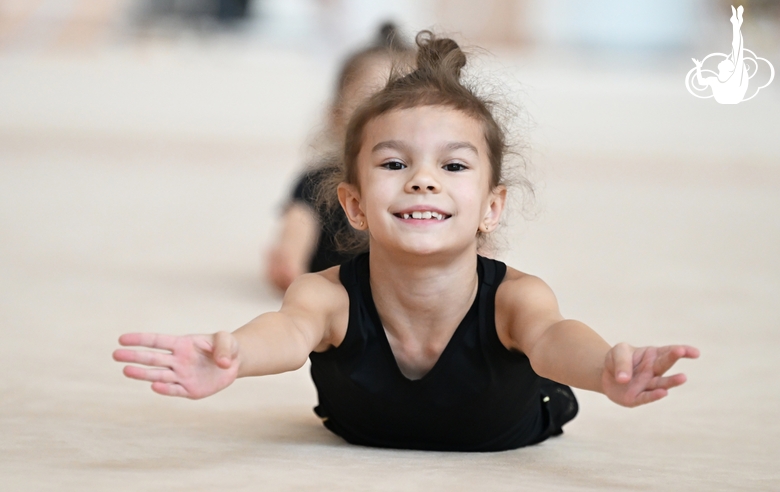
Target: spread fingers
[
  {"x": 670, "y": 355},
  {"x": 150, "y": 340},
  {"x": 650, "y": 396},
  {"x": 169, "y": 389},
  {"x": 667, "y": 382},
  {"x": 153, "y": 375},
  {"x": 145, "y": 357}
]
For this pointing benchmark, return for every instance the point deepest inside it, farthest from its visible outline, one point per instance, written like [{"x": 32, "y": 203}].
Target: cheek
[
  {"x": 379, "y": 195},
  {"x": 375, "y": 194},
  {"x": 472, "y": 202},
  {"x": 469, "y": 194}
]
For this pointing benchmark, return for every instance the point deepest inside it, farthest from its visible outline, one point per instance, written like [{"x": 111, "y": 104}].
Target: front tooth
[
  {"x": 426, "y": 215},
  {"x": 417, "y": 215}
]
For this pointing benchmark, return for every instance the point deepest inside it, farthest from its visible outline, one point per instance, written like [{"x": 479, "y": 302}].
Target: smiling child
[{"x": 418, "y": 342}]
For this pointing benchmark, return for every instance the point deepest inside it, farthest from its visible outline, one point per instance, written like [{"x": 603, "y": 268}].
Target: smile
[{"x": 423, "y": 215}]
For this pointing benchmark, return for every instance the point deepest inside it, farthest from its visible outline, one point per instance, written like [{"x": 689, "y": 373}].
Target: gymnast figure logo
[{"x": 730, "y": 84}]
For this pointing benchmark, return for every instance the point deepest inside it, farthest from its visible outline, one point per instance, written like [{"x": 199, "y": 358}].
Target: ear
[
  {"x": 496, "y": 203},
  {"x": 349, "y": 198}
]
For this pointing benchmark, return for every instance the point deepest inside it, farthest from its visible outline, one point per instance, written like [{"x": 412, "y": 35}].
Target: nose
[{"x": 421, "y": 181}]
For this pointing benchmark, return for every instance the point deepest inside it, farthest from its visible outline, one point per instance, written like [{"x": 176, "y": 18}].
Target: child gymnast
[
  {"x": 419, "y": 342},
  {"x": 307, "y": 230}
]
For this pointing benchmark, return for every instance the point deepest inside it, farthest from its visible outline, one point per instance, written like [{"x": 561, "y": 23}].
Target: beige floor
[{"x": 137, "y": 189}]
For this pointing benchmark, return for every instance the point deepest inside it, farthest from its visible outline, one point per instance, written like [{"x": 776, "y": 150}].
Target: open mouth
[{"x": 423, "y": 215}]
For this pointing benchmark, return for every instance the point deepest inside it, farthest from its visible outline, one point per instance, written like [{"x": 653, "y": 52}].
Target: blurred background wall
[
  {"x": 166, "y": 38},
  {"x": 32, "y": 25},
  {"x": 260, "y": 71}
]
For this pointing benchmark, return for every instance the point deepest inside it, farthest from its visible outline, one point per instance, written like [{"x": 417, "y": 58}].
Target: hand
[
  {"x": 196, "y": 366},
  {"x": 635, "y": 376},
  {"x": 697, "y": 62}
]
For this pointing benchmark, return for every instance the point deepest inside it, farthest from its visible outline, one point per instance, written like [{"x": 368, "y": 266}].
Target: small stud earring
[{"x": 361, "y": 223}]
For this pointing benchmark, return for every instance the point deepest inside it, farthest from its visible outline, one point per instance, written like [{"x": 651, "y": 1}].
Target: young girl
[
  {"x": 306, "y": 239},
  {"x": 420, "y": 343}
]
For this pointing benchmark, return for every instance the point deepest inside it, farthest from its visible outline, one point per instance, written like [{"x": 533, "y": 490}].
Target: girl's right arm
[{"x": 196, "y": 366}]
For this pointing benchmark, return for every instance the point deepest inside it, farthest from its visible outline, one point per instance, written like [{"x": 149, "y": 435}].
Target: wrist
[{"x": 239, "y": 359}]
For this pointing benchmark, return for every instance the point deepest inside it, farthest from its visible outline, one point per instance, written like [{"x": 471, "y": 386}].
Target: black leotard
[{"x": 479, "y": 396}]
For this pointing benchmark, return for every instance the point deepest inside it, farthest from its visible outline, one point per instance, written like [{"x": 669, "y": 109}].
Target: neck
[{"x": 419, "y": 296}]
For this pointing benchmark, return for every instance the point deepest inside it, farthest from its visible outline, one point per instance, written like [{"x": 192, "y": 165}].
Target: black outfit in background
[
  {"x": 326, "y": 254},
  {"x": 479, "y": 396}
]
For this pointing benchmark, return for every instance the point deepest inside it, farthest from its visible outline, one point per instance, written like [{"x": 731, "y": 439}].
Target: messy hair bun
[{"x": 434, "y": 54}]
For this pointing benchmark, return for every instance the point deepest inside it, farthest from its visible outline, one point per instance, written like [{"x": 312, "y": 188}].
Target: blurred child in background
[{"x": 306, "y": 239}]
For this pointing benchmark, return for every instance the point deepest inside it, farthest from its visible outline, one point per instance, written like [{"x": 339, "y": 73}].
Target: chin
[{"x": 421, "y": 248}]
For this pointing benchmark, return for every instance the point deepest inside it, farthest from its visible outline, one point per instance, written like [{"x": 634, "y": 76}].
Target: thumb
[
  {"x": 622, "y": 358},
  {"x": 225, "y": 349}
]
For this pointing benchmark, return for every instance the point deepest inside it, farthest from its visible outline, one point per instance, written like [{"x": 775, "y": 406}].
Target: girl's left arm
[{"x": 570, "y": 352}]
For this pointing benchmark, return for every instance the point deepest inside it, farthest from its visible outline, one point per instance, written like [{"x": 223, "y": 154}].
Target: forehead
[{"x": 425, "y": 126}]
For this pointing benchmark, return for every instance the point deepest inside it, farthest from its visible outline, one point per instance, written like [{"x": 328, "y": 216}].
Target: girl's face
[{"x": 424, "y": 177}]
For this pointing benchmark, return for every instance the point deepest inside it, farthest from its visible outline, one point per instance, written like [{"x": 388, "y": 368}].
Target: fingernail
[{"x": 622, "y": 375}]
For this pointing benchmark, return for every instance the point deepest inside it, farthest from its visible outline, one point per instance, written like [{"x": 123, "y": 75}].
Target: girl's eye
[
  {"x": 394, "y": 165},
  {"x": 454, "y": 166}
]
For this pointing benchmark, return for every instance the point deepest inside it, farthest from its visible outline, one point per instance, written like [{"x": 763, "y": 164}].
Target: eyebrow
[
  {"x": 461, "y": 145},
  {"x": 390, "y": 144},
  {"x": 398, "y": 145}
]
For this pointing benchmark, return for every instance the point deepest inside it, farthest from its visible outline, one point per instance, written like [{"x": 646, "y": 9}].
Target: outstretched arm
[
  {"x": 196, "y": 366},
  {"x": 569, "y": 352}
]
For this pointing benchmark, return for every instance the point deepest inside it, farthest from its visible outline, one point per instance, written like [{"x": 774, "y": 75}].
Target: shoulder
[
  {"x": 320, "y": 301},
  {"x": 519, "y": 288},
  {"x": 525, "y": 306}
]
